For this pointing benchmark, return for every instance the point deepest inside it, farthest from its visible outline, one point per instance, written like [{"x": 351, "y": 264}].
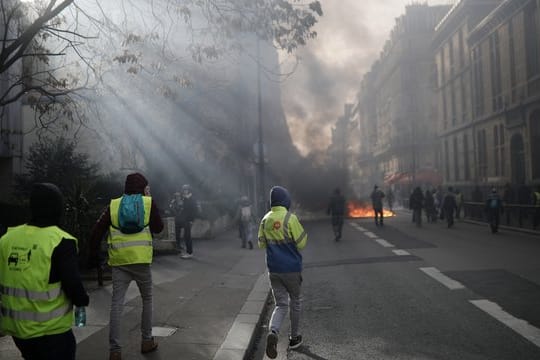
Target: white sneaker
[{"x": 186, "y": 256}]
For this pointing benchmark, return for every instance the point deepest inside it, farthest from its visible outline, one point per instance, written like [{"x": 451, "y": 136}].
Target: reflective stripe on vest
[
  {"x": 36, "y": 316},
  {"x": 32, "y": 295},
  {"x": 130, "y": 244},
  {"x": 31, "y": 306},
  {"x": 284, "y": 231}
]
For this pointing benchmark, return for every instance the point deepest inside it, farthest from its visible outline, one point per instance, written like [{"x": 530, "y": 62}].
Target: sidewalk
[{"x": 205, "y": 308}]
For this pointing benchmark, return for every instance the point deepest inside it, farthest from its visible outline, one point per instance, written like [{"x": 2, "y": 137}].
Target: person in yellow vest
[
  {"x": 130, "y": 257},
  {"x": 40, "y": 280},
  {"x": 282, "y": 235}
]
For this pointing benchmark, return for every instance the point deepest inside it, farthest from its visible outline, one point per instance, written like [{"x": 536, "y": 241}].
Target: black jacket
[{"x": 47, "y": 205}]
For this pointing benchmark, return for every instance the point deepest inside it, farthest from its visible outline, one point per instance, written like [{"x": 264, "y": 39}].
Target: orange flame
[{"x": 358, "y": 210}]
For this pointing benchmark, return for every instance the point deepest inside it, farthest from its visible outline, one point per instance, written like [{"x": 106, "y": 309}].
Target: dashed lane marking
[
  {"x": 443, "y": 279},
  {"x": 384, "y": 243},
  {"x": 400, "y": 252},
  {"x": 520, "y": 326},
  {"x": 370, "y": 234}
]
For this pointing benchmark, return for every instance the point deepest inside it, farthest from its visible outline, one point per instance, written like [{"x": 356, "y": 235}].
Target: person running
[
  {"x": 336, "y": 208},
  {"x": 282, "y": 235}
]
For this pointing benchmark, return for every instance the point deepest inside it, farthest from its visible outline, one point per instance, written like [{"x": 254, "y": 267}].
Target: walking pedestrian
[
  {"x": 449, "y": 206},
  {"x": 390, "y": 199},
  {"x": 377, "y": 197},
  {"x": 282, "y": 235},
  {"x": 493, "y": 208},
  {"x": 130, "y": 258},
  {"x": 185, "y": 210},
  {"x": 40, "y": 258},
  {"x": 416, "y": 202},
  {"x": 246, "y": 220},
  {"x": 429, "y": 206},
  {"x": 336, "y": 208}
]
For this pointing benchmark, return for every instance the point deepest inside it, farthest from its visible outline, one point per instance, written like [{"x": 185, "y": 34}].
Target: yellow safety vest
[
  {"x": 537, "y": 198},
  {"x": 31, "y": 307},
  {"x": 282, "y": 235},
  {"x": 125, "y": 249}
]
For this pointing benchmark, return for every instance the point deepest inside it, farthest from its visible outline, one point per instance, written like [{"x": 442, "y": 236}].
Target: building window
[
  {"x": 446, "y": 159},
  {"x": 512, "y": 50},
  {"x": 456, "y": 159},
  {"x": 482, "y": 154},
  {"x": 453, "y": 104},
  {"x": 501, "y": 148},
  {"x": 495, "y": 67},
  {"x": 466, "y": 157},
  {"x": 478, "y": 89},
  {"x": 463, "y": 91},
  {"x": 535, "y": 143},
  {"x": 443, "y": 65},
  {"x": 444, "y": 108},
  {"x": 461, "y": 49},
  {"x": 496, "y": 149},
  {"x": 531, "y": 40},
  {"x": 451, "y": 57}
]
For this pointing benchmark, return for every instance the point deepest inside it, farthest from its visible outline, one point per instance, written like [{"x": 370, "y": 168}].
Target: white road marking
[
  {"x": 361, "y": 228},
  {"x": 443, "y": 279},
  {"x": 384, "y": 243},
  {"x": 370, "y": 235},
  {"x": 520, "y": 326},
  {"x": 401, "y": 252}
]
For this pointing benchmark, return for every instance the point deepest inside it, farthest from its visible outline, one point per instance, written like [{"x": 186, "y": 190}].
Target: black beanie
[
  {"x": 279, "y": 196},
  {"x": 46, "y": 204},
  {"x": 135, "y": 184}
]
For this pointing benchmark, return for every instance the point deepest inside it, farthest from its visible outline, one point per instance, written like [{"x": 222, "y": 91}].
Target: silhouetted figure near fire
[
  {"x": 416, "y": 202},
  {"x": 377, "y": 197},
  {"x": 429, "y": 206},
  {"x": 336, "y": 208}
]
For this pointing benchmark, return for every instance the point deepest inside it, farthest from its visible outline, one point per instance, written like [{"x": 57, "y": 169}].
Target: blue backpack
[{"x": 131, "y": 214}]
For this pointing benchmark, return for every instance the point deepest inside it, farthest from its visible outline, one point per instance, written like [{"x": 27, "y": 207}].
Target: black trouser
[
  {"x": 187, "y": 235},
  {"x": 337, "y": 224},
  {"x": 449, "y": 214},
  {"x": 48, "y": 347},
  {"x": 379, "y": 218},
  {"x": 493, "y": 218}
]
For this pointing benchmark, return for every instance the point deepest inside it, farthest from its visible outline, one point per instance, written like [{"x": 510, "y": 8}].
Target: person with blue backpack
[{"x": 130, "y": 221}]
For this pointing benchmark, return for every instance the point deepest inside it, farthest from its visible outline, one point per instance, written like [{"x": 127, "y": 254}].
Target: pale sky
[{"x": 351, "y": 35}]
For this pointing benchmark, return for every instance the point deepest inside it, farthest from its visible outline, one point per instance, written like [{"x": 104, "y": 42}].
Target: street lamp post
[{"x": 261, "y": 154}]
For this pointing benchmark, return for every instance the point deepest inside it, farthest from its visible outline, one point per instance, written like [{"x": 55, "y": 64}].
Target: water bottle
[{"x": 80, "y": 316}]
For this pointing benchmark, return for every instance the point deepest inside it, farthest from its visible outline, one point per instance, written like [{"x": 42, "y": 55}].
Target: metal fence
[{"x": 514, "y": 215}]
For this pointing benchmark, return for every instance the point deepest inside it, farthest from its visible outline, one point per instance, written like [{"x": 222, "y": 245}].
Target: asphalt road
[{"x": 401, "y": 292}]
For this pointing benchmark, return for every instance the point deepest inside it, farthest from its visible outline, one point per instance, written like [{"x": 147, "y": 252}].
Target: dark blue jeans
[{"x": 187, "y": 236}]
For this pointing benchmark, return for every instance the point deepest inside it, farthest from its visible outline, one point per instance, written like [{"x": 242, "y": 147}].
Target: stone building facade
[
  {"x": 395, "y": 110},
  {"x": 488, "y": 92}
]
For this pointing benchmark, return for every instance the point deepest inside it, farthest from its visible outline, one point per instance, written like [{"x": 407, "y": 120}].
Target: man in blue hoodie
[{"x": 282, "y": 235}]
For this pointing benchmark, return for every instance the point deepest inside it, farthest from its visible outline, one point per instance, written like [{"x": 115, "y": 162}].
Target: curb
[{"x": 243, "y": 331}]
